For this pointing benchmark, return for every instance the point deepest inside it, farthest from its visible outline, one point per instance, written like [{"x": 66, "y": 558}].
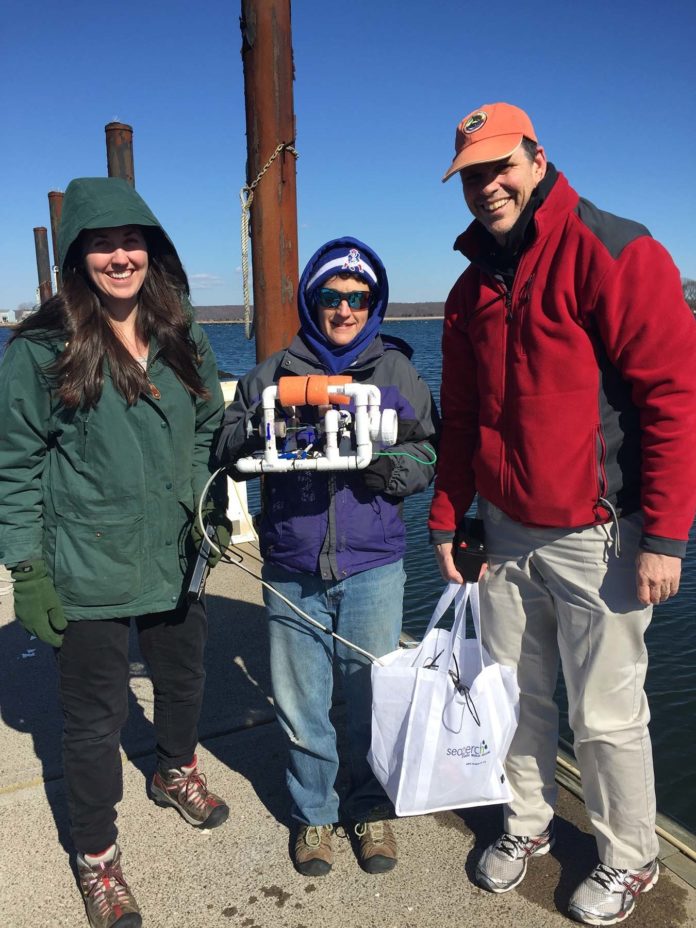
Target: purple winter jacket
[{"x": 331, "y": 523}]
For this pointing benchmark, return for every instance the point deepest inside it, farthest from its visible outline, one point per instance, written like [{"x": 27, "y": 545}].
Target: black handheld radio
[
  {"x": 469, "y": 548},
  {"x": 201, "y": 570}
]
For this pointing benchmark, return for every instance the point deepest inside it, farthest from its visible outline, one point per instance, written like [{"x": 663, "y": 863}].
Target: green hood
[{"x": 103, "y": 203}]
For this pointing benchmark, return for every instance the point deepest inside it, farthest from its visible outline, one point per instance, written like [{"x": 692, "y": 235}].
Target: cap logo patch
[
  {"x": 353, "y": 261},
  {"x": 475, "y": 122}
]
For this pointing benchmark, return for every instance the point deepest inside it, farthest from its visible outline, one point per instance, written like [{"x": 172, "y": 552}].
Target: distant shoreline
[
  {"x": 388, "y": 319},
  {"x": 8, "y": 325}
]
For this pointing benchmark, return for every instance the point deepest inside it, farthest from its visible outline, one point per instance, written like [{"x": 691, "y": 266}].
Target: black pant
[{"x": 93, "y": 674}]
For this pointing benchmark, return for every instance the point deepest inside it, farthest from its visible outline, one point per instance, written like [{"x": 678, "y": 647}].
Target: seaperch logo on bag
[{"x": 470, "y": 750}]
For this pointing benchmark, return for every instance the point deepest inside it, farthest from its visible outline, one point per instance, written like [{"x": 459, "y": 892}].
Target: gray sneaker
[
  {"x": 108, "y": 900},
  {"x": 609, "y": 894},
  {"x": 503, "y": 865}
]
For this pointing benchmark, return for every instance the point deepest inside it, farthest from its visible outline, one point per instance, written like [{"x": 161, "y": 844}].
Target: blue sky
[{"x": 379, "y": 88}]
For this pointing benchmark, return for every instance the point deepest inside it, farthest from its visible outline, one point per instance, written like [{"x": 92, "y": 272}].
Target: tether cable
[{"x": 227, "y": 559}]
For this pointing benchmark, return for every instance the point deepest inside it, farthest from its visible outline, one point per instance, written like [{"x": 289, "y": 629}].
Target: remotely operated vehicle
[
  {"x": 342, "y": 440},
  {"x": 362, "y": 432}
]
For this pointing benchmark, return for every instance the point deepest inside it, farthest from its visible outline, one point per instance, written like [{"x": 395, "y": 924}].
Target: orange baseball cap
[{"x": 490, "y": 133}]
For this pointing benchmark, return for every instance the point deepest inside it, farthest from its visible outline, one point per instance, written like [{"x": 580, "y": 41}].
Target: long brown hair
[{"x": 76, "y": 313}]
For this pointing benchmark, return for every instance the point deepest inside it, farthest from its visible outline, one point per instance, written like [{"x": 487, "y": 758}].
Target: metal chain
[{"x": 246, "y": 196}]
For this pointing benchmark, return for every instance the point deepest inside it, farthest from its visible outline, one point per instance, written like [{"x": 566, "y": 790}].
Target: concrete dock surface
[{"x": 240, "y": 875}]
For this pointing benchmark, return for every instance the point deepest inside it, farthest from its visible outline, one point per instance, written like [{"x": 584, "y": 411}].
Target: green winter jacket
[{"x": 105, "y": 496}]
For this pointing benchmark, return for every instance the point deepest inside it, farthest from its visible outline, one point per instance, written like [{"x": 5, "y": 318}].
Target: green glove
[
  {"x": 36, "y": 603},
  {"x": 221, "y": 535}
]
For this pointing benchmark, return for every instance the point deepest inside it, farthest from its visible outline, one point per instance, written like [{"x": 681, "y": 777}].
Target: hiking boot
[
  {"x": 109, "y": 902},
  {"x": 314, "y": 854},
  {"x": 377, "y": 850},
  {"x": 609, "y": 894},
  {"x": 185, "y": 789},
  {"x": 503, "y": 865}
]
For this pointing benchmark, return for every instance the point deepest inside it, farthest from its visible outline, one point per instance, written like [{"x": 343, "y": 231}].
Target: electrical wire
[
  {"x": 327, "y": 631},
  {"x": 407, "y": 454},
  {"x": 239, "y": 563}
]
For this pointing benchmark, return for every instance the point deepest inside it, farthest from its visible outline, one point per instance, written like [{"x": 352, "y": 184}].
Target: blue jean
[{"x": 365, "y": 609}]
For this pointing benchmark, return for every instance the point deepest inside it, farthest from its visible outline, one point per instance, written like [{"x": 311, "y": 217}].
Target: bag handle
[
  {"x": 458, "y": 632},
  {"x": 448, "y": 594},
  {"x": 461, "y": 594},
  {"x": 475, "y": 604}
]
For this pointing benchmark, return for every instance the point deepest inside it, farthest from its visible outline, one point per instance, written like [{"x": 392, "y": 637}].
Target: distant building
[{"x": 7, "y": 315}]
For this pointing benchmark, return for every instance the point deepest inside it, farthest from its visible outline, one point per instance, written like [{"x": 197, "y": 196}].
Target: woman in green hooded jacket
[{"x": 110, "y": 401}]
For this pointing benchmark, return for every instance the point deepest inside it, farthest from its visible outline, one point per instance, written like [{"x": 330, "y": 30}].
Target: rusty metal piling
[
  {"x": 55, "y": 208},
  {"x": 270, "y": 122},
  {"x": 119, "y": 151},
  {"x": 43, "y": 263}
]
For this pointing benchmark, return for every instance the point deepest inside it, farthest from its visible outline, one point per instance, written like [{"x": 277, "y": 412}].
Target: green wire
[{"x": 406, "y": 454}]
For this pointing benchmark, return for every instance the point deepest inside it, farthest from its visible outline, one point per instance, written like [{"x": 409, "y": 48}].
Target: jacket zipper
[
  {"x": 603, "y": 487},
  {"x": 509, "y": 317},
  {"x": 505, "y": 467},
  {"x": 85, "y": 423},
  {"x": 601, "y": 470},
  {"x": 522, "y": 309},
  {"x": 154, "y": 391}
]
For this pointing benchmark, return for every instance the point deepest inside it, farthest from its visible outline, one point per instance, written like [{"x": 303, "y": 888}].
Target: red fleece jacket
[{"x": 577, "y": 386}]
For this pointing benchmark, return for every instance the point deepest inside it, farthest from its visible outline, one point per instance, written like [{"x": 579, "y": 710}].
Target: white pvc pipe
[
  {"x": 331, "y": 435},
  {"x": 367, "y": 428},
  {"x": 268, "y": 399}
]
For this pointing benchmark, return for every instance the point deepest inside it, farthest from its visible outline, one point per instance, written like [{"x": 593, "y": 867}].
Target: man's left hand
[{"x": 657, "y": 577}]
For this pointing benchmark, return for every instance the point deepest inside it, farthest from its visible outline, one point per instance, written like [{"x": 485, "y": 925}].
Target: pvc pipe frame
[{"x": 370, "y": 425}]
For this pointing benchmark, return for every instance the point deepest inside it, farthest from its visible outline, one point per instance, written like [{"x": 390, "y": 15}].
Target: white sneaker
[
  {"x": 503, "y": 865},
  {"x": 609, "y": 894}
]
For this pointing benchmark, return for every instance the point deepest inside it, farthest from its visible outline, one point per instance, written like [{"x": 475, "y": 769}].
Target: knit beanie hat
[{"x": 342, "y": 260}]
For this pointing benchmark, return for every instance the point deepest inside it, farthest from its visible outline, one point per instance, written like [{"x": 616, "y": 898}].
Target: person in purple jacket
[{"x": 333, "y": 543}]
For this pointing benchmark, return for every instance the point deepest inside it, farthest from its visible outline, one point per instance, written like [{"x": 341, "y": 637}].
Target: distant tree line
[
  {"x": 235, "y": 313},
  {"x": 689, "y": 287}
]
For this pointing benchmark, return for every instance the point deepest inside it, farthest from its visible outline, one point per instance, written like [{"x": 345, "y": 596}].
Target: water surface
[{"x": 671, "y": 638}]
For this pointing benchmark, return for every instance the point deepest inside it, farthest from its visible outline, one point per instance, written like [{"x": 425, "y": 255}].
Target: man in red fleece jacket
[{"x": 569, "y": 404}]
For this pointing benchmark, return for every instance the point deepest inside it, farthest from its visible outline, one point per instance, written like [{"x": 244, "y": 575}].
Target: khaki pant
[{"x": 560, "y": 593}]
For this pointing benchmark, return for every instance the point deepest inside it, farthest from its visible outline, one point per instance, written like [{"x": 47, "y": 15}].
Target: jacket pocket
[
  {"x": 376, "y": 527},
  {"x": 524, "y": 334},
  {"x": 100, "y": 563}
]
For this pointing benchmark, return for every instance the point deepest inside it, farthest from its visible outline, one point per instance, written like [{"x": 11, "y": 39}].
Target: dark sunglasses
[{"x": 332, "y": 299}]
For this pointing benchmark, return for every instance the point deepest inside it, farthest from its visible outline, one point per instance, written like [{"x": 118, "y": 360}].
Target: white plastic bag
[{"x": 443, "y": 717}]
